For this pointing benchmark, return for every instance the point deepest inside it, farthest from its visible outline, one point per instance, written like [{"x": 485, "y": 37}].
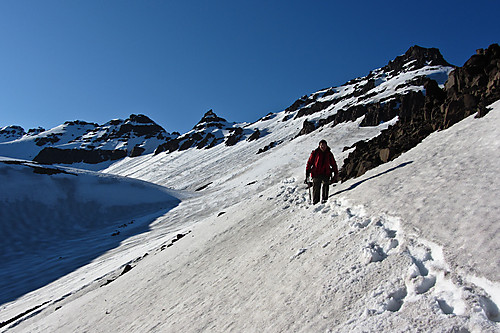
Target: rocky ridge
[
  {"x": 410, "y": 89},
  {"x": 80, "y": 141},
  {"x": 377, "y": 96},
  {"x": 9, "y": 133},
  {"x": 469, "y": 90},
  {"x": 210, "y": 131}
]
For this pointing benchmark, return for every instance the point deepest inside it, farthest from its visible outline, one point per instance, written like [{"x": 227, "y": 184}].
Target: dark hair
[{"x": 323, "y": 141}]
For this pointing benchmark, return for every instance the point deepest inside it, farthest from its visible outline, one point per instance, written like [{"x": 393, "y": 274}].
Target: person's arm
[
  {"x": 334, "y": 169},
  {"x": 309, "y": 165}
]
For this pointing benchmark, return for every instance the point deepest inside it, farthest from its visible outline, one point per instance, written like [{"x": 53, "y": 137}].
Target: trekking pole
[
  {"x": 310, "y": 197},
  {"x": 309, "y": 185}
]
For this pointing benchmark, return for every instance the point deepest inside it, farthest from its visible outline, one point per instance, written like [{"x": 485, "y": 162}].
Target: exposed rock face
[
  {"x": 468, "y": 90},
  {"x": 87, "y": 142},
  {"x": 269, "y": 146},
  {"x": 357, "y": 95},
  {"x": 140, "y": 125},
  {"x": 307, "y": 127},
  {"x": 374, "y": 113},
  {"x": 210, "y": 119},
  {"x": 210, "y": 131},
  {"x": 169, "y": 146},
  {"x": 473, "y": 86},
  {"x": 51, "y": 155},
  {"x": 9, "y": 133},
  {"x": 48, "y": 139},
  {"x": 236, "y": 135},
  {"x": 35, "y": 131},
  {"x": 137, "y": 151},
  {"x": 255, "y": 135},
  {"x": 417, "y": 57}
]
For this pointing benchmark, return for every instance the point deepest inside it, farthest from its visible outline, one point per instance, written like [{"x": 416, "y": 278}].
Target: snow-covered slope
[
  {"x": 54, "y": 220},
  {"x": 379, "y": 256},
  {"x": 410, "y": 246}
]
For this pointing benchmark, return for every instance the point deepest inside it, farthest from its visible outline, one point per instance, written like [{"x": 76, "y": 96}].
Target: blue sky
[{"x": 174, "y": 60}]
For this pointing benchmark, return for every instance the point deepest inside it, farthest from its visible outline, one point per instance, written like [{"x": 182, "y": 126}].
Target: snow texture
[
  {"x": 225, "y": 239},
  {"x": 410, "y": 246}
]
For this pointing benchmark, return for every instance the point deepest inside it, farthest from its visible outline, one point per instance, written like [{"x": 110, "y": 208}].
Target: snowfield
[
  {"x": 54, "y": 220},
  {"x": 411, "y": 246}
]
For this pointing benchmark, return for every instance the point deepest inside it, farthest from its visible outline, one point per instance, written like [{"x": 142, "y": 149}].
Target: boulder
[
  {"x": 236, "y": 135},
  {"x": 137, "y": 151},
  {"x": 255, "y": 135},
  {"x": 307, "y": 127}
]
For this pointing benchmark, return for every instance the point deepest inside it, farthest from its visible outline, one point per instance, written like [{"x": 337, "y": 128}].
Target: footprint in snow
[
  {"x": 318, "y": 208},
  {"x": 490, "y": 309},
  {"x": 396, "y": 298},
  {"x": 373, "y": 253}
]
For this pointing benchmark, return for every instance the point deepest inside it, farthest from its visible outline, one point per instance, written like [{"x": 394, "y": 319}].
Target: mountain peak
[
  {"x": 12, "y": 132},
  {"x": 140, "y": 118},
  {"x": 210, "y": 119},
  {"x": 417, "y": 57}
]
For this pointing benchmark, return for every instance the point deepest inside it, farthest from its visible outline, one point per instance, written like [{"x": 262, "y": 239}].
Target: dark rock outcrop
[
  {"x": 307, "y": 127},
  {"x": 269, "y": 146},
  {"x": 210, "y": 119},
  {"x": 35, "y": 131},
  {"x": 301, "y": 102},
  {"x": 235, "y": 136},
  {"x": 50, "y": 155},
  {"x": 472, "y": 87},
  {"x": 137, "y": 151},
  {"x": 9, "y": 133},
  {"x": 469, "y": 90},
  {"x": 49, "y": 139},
  {"x": 169, "y": 146},
  {"x": 313, "y": 108},
  {"x": 255, "y": 135},
  {"x": 140, "y": 125},
  {"x": 417, "y": 57},
  {"x": 210, "y": 131},
  {"x": 207, "y": 141}
]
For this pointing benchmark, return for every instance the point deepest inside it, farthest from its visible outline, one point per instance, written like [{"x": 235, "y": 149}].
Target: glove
[{"x": 307, "y": 182}]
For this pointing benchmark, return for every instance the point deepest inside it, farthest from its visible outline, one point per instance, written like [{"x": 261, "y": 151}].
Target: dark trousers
[{"x": 317, "y": 182}]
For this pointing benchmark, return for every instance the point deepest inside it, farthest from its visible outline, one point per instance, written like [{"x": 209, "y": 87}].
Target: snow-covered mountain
[
  {"x": 83, "y": 142},
  {"x": 10, "y": 133},
  {"x": 377, "y": 97},
  {"x": 408, "y": 245}
]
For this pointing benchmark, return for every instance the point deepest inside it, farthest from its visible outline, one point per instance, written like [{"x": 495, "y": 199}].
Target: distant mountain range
[{"x": 416, "y": 88}]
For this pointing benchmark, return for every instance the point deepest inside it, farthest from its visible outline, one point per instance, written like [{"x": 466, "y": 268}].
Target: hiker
[{"x": 320, "y": 166}]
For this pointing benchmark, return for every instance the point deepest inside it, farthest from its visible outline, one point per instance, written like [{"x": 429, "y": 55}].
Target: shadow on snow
[{"x": 353, "y": 186}]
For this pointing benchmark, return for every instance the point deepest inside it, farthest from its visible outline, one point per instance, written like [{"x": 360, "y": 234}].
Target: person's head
[{"x": 323, "y": 145}]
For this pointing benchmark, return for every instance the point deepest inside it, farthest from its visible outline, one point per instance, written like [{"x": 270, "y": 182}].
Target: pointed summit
[
  {"x": 415, "y": 58},
  {"x": 210, "y": 119}
]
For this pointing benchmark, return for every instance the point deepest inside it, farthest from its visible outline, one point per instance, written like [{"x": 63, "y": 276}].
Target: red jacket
[{"x": 321, "y": 163}]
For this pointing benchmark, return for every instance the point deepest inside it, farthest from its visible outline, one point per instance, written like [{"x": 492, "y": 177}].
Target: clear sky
[{"x": 97, "y": 60}]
